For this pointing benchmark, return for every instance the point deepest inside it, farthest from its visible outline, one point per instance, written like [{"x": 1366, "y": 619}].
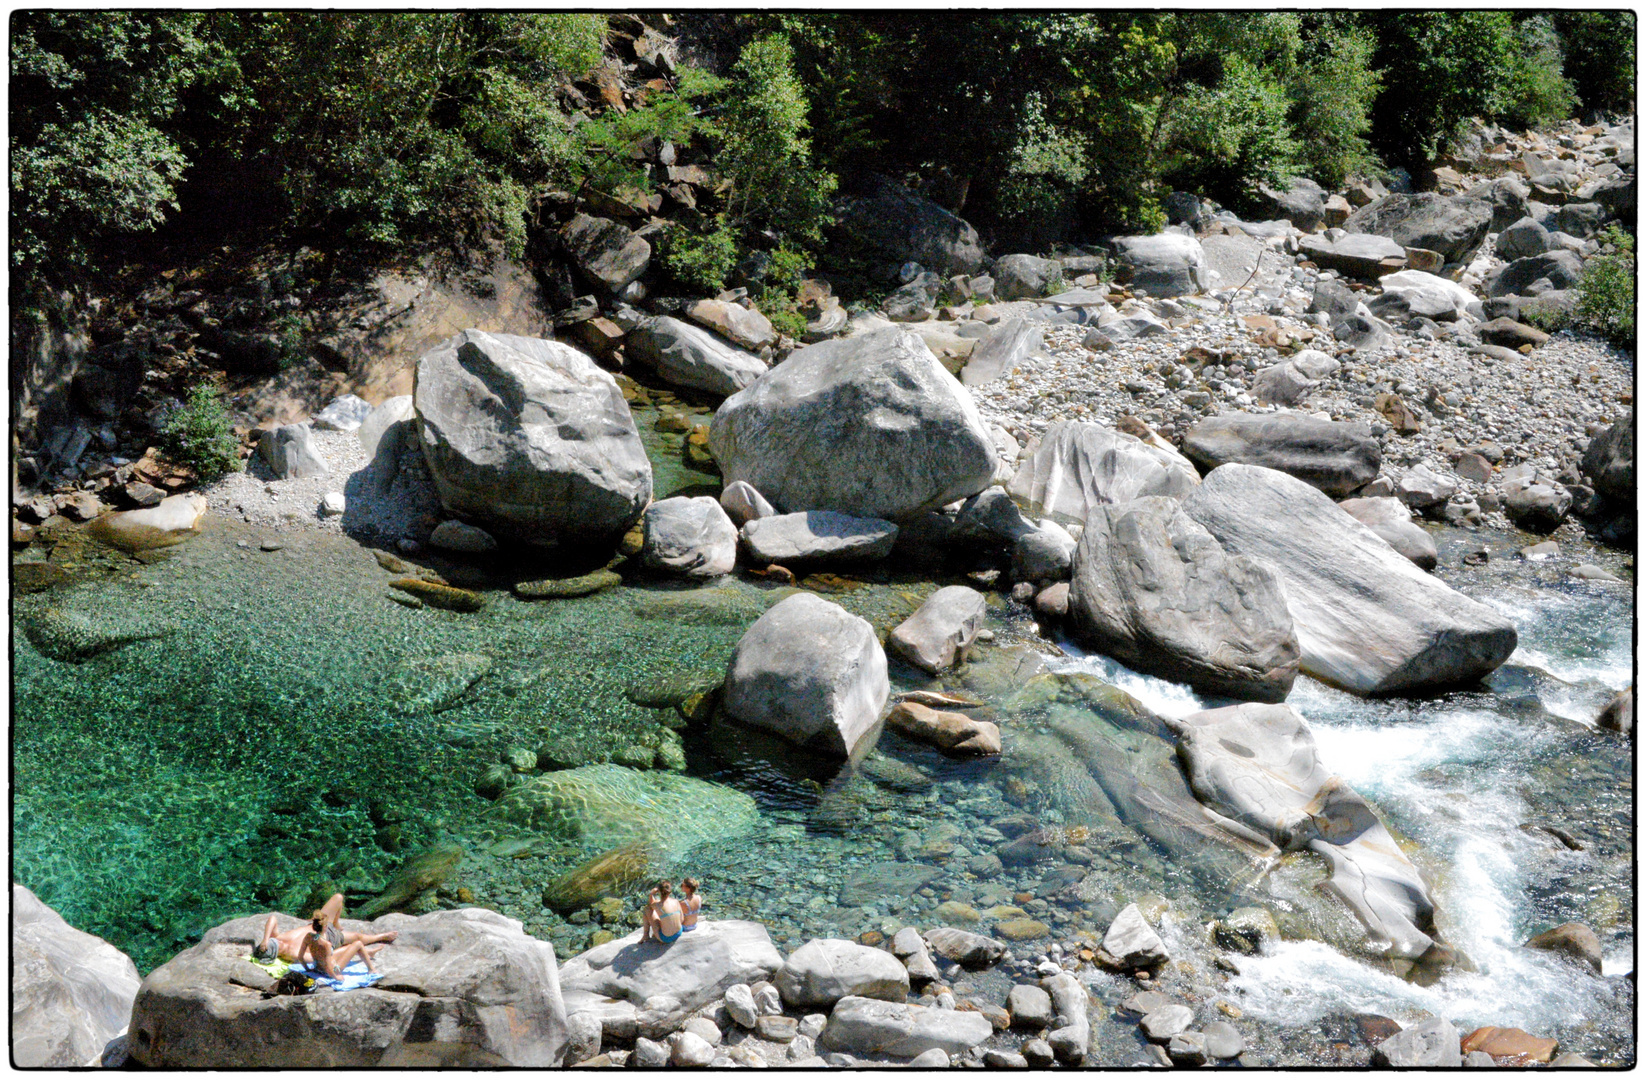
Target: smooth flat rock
[
  {"x": 1154, "y": 589},
  {"x": 1030, "y": 1006},
  {"x": 861, "y": 1025},
  {"x": 1366, "y": 618},
  {"x": 1357, "y": 255},
  {"x": 955, "y": 734},
  {"x": 1389, "y": 518},
  {"x": 939, "y": 633},
  {"x": 530, "y": 437},
  {"x": 1336, "y": 458},
  {"x": 71, "y": 992},
  {"x": 1072, "y": 1039},
  {"x": 1257, "y": 765},
  {"x": 689, "y": 356},
  {"x": 871, "y": 426},
  {"x": 466, "y": 988},
  {"x": 1077, "y": 466},
  {"x": 745, "y": 327},
  {"x": 811, "y": 672},
  {"x": 345, "y": 413},
  {"x": 1160, "y": 1025},
  {"x": 823, "y": 971},
  {"x": 818, "y": 536},
  {"x": 695, "y": 970}
]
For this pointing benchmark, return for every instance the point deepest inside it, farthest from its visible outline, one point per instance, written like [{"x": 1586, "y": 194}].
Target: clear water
[{"x": 260, "y": 756}]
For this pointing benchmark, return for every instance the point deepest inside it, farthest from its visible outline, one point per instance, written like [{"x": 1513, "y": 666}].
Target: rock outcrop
[
  {"x": 871, "y": 426},
  {"x": 71, "y": 992},
  {"x": 1366, "y": 618},
  {"x": 461, "y": 989},
  {"x": 530, "y": 438},
  {"x": 1079, "y": 466},
  {"x": 1153, "y": 589}
]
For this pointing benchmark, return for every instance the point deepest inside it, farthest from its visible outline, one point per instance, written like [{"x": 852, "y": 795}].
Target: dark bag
[{"x": 293, "y": 982}]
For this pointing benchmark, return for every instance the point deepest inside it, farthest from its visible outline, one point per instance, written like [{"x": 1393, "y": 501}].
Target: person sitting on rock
[
  {"x": 663, "y": 916},
  {"x": 690, "y": 902},
  {"x": 318, "y": 949},
  {"x": 275, "y": 945}
]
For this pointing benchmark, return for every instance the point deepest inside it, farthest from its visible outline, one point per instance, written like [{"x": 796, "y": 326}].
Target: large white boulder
[
  {"x": 461, "y": 989},
  {"x": 689, "y": 356},
  {"x": 689, "y": 536},
  {"x": 1167, "y": 264},
  {"x": 698, "y": 968},
  {"x": 1078, "y": 466},
  {"x": 810, "y": 671},
  {"x": 1367, "y": 620},
  {"x": 862, "y": 1025},
  {"x": 824, "y": 970},
  {"x": 872, "y": 426},
  {"x": 940, "y": 632},
  {"x": 530, "y": 437},
  {"x": 71, "y": 992}
]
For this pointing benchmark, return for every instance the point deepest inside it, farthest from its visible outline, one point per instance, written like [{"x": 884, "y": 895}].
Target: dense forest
[{"x": 387, "y": 132}]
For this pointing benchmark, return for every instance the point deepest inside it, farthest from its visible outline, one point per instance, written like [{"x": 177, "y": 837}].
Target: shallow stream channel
[{"x": 291, "y": 732}]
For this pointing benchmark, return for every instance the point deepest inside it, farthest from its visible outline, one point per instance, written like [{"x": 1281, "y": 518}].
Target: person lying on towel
[{"x": 287, "y": 946}]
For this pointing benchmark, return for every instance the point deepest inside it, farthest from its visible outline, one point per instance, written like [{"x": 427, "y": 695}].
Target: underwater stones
[
  {"x": 529, "y": 437},
  {"x": 173, "y": 521},
  {"x": 953, "y": 733},
  {"x": 871, "y": 426},
  {"x": 1432, "y": 1044},
  {"x": 419, "y": 873},
  {"x": 689, "y": 536},
  {"x": 1572, "y": 940},
  {"x": 1154, "y": 589},
  {"x": 1257, "y": 765},
  {"x": 822, "y": 971},
  {"x": 72, "y": 638},
  {"x": 605, "y": 806},
  {"x": 1132, "y": 942},
  {"x": 565, "y": 588},
  {"x": 694, "y": 971},
  {"x": 971, "y": 951},
  {"x": 1367, "y": 620},
  {"x": 876, "y": 880},
  {"x": 610, "y": 873},
  {"x": 1021, "y": 928},
  {"x": 461, "y": 989},
  {"x": 860, "y": 1025},
  {"x": 811, "y": 672},
  {"x": 429, "y": 684},
  {"x": 71, "y": 992},
  {"x": 942, "y": 630},
  {"x": 1078, "y": 466},
  {"x": 434, "y": 594}
]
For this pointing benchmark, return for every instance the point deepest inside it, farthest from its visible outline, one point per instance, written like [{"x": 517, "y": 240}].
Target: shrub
[
  {"x": 1332, "y": 92},
  {"x": 1606, "y": 291},
  {"x": 1224, "y": 139},
  {"x": 1600, "y": 56},
  {"x": 1534, "y": 93},
  {"x": 198, "y": 435},
  {"x": 1439, "y": 68},
  {"x": 701, "y": 260}
]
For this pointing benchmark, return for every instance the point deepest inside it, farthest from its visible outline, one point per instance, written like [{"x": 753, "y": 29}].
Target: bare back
[{"x": 669, "y": 916}]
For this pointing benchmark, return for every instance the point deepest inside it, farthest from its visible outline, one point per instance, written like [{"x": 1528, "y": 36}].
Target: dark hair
[
  {"x": 663, "y": 888},
  {"x": 318, "y": 921},
  {"x": 689, "y": 883},
  {"x": 267, "y": 950}
]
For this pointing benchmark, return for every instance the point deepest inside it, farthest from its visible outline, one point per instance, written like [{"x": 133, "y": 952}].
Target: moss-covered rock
[
  {"x": 562, "y": 588},
  {"x": 441, "y": 596},
  {"x": 603, "y": 877}
]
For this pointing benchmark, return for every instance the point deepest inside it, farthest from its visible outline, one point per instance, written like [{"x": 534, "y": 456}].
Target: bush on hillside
[
  {"x": 1534, "y": 93},
  {"x": 1332, "y": 91},
  {"x": 1600, "y": 56},
  {"x": 199, "y": 435},
  {"x": 1606, "y": 291}
]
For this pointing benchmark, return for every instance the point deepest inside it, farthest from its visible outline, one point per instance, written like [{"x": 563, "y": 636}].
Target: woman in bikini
[
  {"x": 286, "y": 946},
  {"x": 662, "y": 917},
  {"x": 330, "y": 958},
  {"x": 690, "y": 902}
]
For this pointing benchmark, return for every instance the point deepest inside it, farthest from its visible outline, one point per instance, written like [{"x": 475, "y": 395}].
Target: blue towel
[{"x": 354, "y": 977}]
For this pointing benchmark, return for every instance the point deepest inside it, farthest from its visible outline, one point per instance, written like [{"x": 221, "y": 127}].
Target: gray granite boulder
[
  {"x": 1366, "y": 619},
  {"x": 1610, "y": 460},
  {"x": 1257, "y": 765},
  {"x": 1301, "y": 201},
  {"x": 1392, "y": 521},
  {"x": 1024, "y": 277},
  {"x": 743, "y": 503},
  {"x": 744, "y": 326},
  {"x": 605, "y": 251},
  {"x": 462, "y": 989},
  {"x": 889, "y": 224},
  {"x": 823, "y": 971},
  {"x": 290, "y": 453},
  {"x": 999, "y": 353},
  {"x": 818, "y": 536},
  {"x": 346, "y": 412},
  {"x": 1561, "y": 269},
  {"x": 694, "y": 971},
  {"x": 1073, "y": 1037},
  {"x": 1536, "y": 502},
  {"x": 689, "y": 536},
  {"x": 863, "y": 1026},
  {"x": 1453, "y": 225},
  {"x": 1336, "y": 458},
  {"x": 1030, "y": 1007},
  {"x": 1154, "y": 590},
  {"x": 531, "y": 438},
  {"x": 969, "y": 950},
  {"x": 1432, "y": 1044},
  {"x": 1079, "y": 466},
  {"x": 1166, "y": 264},
  {"x": 1044, "y": 555},
  {"x": 936, "y": 636},
  {"x": 1357, "y": 255},
  {"x": 689, "y": 356},
  {"x": 71, "y": 992},
  {"x": 811, "y": 672},
  {"x": 1522, "y": 240},
  {"x": 1132, "y": 942},
  {"x": 871, "y": 425}
]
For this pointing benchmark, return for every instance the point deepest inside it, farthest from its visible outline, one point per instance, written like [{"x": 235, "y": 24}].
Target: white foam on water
[
  {"x": 1575, "y": 638},
  {"x": 1158, "y": 695}
]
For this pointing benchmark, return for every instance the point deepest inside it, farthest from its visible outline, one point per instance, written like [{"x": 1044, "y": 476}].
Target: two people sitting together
[
  {"x": 666, "y": 918},
  {"x": 323, "y": 942}
]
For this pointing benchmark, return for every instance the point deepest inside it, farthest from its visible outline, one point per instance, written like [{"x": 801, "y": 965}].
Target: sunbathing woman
[
  {"x": 690, "y": 902},
  {"x": 286, "y": 946},
  {"x": 331, "y": 959},
  {"x": 662, "y": 917}
]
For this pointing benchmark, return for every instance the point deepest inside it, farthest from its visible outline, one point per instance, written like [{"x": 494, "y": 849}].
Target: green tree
[
  {"x": 1332, "y": 91},
  {"x": 1534, "y": 93},
  {"x": 1606, "y": 291},
  {"x": 1439, "y": 68},
  {"x": 1600, "y": 56}
]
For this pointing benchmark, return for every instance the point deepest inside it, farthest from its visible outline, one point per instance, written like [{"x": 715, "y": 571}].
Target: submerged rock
[
  {"x": 174, "y": 520},
  {"x": 72, "y": 638},
  {"x": 1153, "y": 589},
  {"x": 561, "y": 588},
  {"x": 1572, "y": 940},
  {"x": 461, "y": 989},
  {"x": 1367, "y": 620},
  {"x": 954, "y": 734},
  {"x": 810, "y": 671},
  {"x": 607, "y": 806},
  {"x": 422, "y": 685},
  {"x": 611, "y": 873},
  {"x": 1257, "y": 765},
  {"x": 818, "y": 536},
  {"x": 437, "y": 595},
  {"x": 418, "y": 874}
]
